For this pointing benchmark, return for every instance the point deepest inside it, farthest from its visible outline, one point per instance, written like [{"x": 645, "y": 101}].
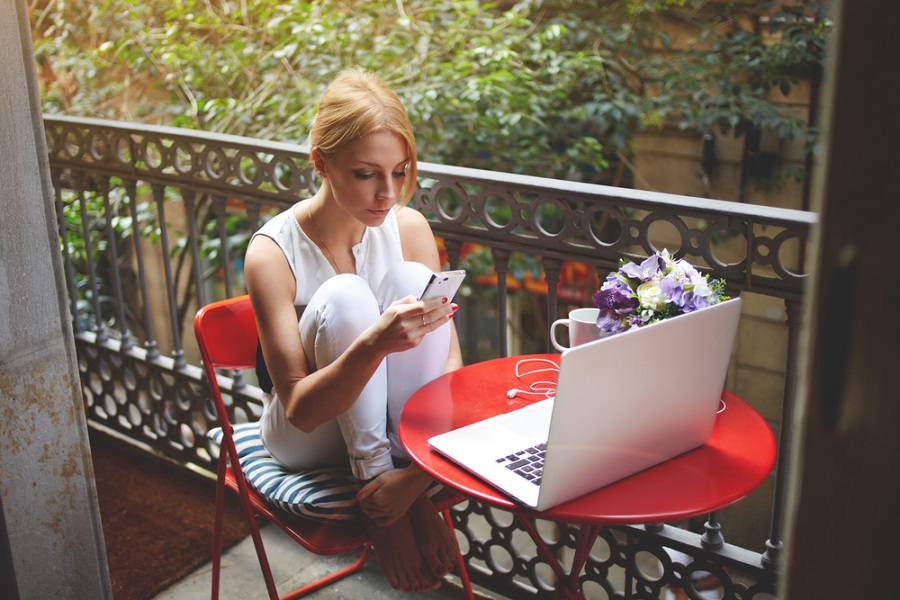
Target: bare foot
[
  {"x": 437, "y": 543},
  {"x": 398, "y": 556}
]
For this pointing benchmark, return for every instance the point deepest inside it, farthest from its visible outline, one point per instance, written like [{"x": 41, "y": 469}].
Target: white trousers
[{"x": 340, "y": 310}]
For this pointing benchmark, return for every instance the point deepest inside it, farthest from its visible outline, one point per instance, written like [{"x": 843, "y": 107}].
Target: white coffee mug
[{"x": 582, "y": 324}]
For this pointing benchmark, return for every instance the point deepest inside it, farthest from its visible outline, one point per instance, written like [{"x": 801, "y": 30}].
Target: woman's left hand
[{"x": 389, "y": 496}]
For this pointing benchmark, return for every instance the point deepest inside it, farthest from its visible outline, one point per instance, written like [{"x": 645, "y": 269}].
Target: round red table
[{"x": 736, "y": 459}]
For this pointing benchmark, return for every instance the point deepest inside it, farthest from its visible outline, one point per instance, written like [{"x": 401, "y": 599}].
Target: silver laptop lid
[{"x": 632, "y": 400}]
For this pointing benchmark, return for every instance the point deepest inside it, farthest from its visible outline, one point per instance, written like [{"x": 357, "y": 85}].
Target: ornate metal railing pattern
[{"x": 109, "y": 176}]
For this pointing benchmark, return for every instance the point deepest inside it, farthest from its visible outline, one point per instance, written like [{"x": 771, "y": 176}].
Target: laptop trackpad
[{"x": 530, "y": 422}]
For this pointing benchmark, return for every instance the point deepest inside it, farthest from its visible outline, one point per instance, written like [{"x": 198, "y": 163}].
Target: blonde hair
[{"x": 357, "y": 104}]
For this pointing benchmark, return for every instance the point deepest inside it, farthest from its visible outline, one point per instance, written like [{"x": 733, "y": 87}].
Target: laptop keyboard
[{"x": 527, "y": 463}]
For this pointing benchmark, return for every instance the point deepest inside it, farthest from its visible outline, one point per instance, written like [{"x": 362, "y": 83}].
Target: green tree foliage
[{"x": 549, "y": 88}]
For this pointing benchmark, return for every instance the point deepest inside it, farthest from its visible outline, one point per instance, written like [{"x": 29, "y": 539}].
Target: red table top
[{"x": 736, "y": 459}]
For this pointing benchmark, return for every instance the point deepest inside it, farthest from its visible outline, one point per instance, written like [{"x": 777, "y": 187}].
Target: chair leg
[
  {"x": 261, "y": 556},
  {"x": 460, "y": 561},
  {"x": 250, "y": 515},
  {"x": 329, "y": 579},
  {"x": 217, "y": 529}
]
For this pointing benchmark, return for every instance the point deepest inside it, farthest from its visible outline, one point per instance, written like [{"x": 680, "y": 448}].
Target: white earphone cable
[{"x": 544, "y": 388}]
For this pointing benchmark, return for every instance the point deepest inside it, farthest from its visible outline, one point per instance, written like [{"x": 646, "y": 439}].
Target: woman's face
[{"x": 366, "y": 178}]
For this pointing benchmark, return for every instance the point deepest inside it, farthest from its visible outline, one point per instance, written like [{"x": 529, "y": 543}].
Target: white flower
[
  {"x": 650, "y": 295},
  {"x": 686, "y": 272},
  {"x": 668, "y": 259},
  {"x": 701, "y": 286}
]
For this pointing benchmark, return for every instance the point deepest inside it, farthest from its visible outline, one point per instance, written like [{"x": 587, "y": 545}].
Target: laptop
[{"x": 623, "y": 404}]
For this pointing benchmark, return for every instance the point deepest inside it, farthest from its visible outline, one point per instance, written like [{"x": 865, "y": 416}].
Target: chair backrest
[
  {"x": 227, "y": 335},
  {"x": 226, "y": 332}
]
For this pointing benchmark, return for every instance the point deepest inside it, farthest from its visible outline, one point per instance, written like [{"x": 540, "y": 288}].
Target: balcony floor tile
[{"x": 291, "y": 567}]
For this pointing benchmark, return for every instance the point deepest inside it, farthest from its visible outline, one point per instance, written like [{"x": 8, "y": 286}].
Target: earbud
[{"x": 512, "y": 393}]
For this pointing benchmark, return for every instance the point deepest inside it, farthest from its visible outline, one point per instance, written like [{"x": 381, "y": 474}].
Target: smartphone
[{"x": 443, "y": 285}]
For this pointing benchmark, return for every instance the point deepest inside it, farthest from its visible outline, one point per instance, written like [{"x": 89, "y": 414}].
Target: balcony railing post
[
  {"x": 136, "y": 237},
  {"x": 112, "y": 243},
  {"x": 501, "y": 266},
  {"x": 454, "y": 251},
  {"x": 552, "y": 271},
  {"x": 218, "y": 207},
  {"x": 773, "y": 557},
  {"x": 190, "y": 209},
  {"x": 712, "y": 537},
  {"x": 99, "y": 325},
  {"x": 56, "y": 176},
  {"x": 159, "y": 194}
]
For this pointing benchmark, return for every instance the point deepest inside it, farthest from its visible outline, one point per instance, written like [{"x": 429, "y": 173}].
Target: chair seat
[
  {"x": 324, "y": 494},
  {"x": 321, "y": 537}
]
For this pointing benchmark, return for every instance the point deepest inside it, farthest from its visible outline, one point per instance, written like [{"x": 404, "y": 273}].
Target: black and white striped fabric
[{"x": 325, "y": 494}]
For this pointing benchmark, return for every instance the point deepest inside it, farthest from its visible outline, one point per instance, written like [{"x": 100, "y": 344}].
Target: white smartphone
[{"x": 443, "y": 285}]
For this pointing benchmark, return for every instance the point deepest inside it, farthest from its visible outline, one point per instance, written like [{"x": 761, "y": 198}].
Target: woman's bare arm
[{"x": 418, "y": 244}]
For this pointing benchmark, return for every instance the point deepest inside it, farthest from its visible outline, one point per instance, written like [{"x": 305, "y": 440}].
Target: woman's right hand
[{"x": 405, "y": 322}]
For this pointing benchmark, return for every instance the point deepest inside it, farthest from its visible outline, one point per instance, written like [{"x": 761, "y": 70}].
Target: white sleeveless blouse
[{"x": 378, "y": 251}]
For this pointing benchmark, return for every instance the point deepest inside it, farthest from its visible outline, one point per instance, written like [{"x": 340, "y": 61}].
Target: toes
[
  {"x": 437, "y": 561},
  {"x": 445, "y": 557},
  {"x": 395, "y": 583},
  {"x": 404, "y": 583},
  {"x": 417, "y": 584}
]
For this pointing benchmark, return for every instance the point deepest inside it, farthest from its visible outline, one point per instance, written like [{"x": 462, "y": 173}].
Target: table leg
[
  {"x": 587, "y": 535},
  {"x": 567, "y": 584}
]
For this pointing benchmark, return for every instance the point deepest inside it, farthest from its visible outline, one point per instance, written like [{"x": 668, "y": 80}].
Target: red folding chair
[{"x": 227, "y": 335}]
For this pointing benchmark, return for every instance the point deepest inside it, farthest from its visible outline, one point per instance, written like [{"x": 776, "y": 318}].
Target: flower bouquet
[{"x": 659, "y": 288}]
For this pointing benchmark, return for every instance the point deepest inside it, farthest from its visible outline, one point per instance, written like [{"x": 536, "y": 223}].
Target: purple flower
[
  {"x": 615, "y": 299},
  {"x": 673, "y": 291},
  {"x": 614, "y": 305},
  {"x": 610, "y": 322},
  {"x": 614, "y": 282},
  {"x": 696, "y": 302},
  {"x": 646, "y": 270}
]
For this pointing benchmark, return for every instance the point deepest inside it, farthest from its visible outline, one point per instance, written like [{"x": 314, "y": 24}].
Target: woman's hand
[
  {"x": 405, "y": 322},
  {"x": 389, "y": 496}
]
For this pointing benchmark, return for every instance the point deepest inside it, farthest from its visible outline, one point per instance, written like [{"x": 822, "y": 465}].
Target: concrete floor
[{"x": 292, "y": 566}]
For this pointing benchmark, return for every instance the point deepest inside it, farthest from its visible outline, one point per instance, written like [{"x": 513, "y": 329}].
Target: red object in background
[{"x": 577, "y": 283}]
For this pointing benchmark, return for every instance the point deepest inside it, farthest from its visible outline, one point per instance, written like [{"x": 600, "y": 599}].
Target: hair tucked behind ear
[{"x": 357, "y": 104}]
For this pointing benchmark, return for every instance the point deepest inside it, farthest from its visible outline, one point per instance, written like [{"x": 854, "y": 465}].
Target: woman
[{"x": 353, "y": 261}]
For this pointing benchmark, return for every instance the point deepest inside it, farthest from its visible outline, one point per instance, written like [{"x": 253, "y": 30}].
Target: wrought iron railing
[{"x": 156, "y": 220}]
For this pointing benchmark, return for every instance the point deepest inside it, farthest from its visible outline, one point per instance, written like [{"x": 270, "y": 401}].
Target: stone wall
[{"x": 51, "y": 520}]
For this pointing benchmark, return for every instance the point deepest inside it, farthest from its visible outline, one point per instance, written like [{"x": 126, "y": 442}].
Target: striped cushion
[{"x": 326, "y": 494}]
